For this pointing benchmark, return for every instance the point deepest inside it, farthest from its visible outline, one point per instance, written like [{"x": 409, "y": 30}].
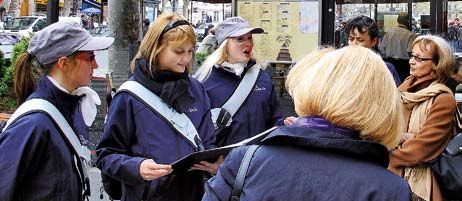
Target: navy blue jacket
[
  {"x": 393, "y": 72},
  {"x": 133, "y": 133},
  {"x": 299, "y": 163},
  {"x": 258, "y": 113},
  {"x": 36, "y": 163}
]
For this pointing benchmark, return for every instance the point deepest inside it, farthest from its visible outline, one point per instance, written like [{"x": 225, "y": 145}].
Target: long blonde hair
[
  {"x": 217, "y": 57},
  {"x": 154, "y": 42},
  {"x": 351, "y": 88}
]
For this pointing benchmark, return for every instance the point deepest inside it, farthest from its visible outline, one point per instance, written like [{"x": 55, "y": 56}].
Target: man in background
[{"x": 396, "y": 45}]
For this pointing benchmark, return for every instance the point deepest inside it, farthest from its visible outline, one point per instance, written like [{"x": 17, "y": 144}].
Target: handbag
[{"x": 447, "y": 167}]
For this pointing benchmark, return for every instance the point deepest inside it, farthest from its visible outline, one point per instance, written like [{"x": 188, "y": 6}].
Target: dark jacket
[
  {"x": 259, "y": 112},
  {"x": 308, "y": 163},
  {"x": 36, "y": 163},
  {"x": 393, "y": 72},
  {"x": 133, "y": 133}
]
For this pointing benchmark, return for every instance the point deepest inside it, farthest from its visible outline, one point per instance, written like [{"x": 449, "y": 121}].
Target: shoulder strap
[
  {"x": 180, "y": 122},
  {"x": 242, "y": 91},
  {"x": 242, "y": 172},
  {"x": 44, "y": 106},
  {"x": 83, "y": 154}
]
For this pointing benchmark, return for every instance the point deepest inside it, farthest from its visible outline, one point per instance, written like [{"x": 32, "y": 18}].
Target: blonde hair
[
  {"x": 217, "y": 57},
  {"x": 351, "y": 88},
  {"x": 152, "y": 43},
  {"x": 441, "y": 53}
]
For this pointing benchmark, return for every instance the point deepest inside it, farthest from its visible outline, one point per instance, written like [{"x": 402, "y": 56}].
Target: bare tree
[
  {"x": 14, "y": 8},
  {"x": 125, "y": 25},
  {"x": 164, "y": 6},
  {"x": 185, "y": 9},
  {"x": 67, "y": 8}
]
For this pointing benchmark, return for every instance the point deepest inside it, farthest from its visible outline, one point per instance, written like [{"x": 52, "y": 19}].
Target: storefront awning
[{"x": 90, "y": 4}]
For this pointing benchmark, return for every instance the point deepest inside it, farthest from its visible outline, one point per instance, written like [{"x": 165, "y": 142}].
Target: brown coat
[{"x": 434, "y": 134}]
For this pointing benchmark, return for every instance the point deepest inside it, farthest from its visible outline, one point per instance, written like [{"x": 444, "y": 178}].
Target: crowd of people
[{"x": 365, "y": 128}]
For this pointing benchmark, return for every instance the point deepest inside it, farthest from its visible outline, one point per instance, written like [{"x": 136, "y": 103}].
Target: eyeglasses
[{"x": 418, "y": 58}]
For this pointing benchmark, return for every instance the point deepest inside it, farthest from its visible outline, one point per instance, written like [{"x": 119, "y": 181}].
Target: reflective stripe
[
  {"x": 242, "y": 91},
  {"x": 180, "y": 122},
  {"x": 239, "y": 96},
  {"x": 42, "y": 105}
]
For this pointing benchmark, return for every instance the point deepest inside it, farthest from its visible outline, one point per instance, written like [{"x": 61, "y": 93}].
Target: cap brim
[
  {"x": 97, "y": 43},
  {"x": 255, "y": 30}
]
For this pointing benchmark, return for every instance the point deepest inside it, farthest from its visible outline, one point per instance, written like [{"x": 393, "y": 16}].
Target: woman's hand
[
  {"x": 150, "y": 170},
  {"x": 289, "y": 120},
  {"x": 212, "y": 168},
  {"x": 406, "y": 136}
]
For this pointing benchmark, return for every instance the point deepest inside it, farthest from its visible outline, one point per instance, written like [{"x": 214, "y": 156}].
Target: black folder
[{"x": 211, "y": 155}]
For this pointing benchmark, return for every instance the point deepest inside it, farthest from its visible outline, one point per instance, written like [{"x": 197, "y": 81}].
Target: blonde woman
[
  {"x": 340, "y": 141},
  {"x": 138, "y": 144},
  {"x": 223, "y": 71},
  {"x": 429, "y": 108}
]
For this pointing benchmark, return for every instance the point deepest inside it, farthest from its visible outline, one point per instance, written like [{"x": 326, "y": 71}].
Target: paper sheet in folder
[{"x": 212, "y": 155}]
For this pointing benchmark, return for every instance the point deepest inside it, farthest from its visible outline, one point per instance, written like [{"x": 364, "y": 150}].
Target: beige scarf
[{"x": 420, "y": 177}]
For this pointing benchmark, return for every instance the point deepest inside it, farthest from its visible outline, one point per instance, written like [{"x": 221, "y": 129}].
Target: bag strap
[
  {"x": 82, "y": 151},
  {"x": 180, "y": 122},
  {"x": 242, "y": 172},
  {"x": 242, "y": 91}
]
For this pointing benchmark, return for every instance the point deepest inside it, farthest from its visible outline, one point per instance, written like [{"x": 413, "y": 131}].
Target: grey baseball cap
[
  {"x": 234, "y": 27},
  {"x": 61, "y": 39}
]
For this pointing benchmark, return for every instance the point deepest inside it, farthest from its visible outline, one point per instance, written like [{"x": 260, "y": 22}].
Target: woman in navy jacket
[
  {"x": 36, "y": 161},
  {"x": 222, "y": 72},
  {"x": 338, "y": 147},
  {"x": 138, "y": 144}
]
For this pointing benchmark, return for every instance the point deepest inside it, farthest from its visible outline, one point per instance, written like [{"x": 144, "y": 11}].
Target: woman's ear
[{"x": 62, "y": 64}]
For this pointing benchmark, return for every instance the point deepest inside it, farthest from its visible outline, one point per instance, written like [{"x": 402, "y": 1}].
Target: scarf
[
  {"x": 420, "y": 177},
  {"x": 322, "y": 124},
  {"x": 237, "y": 68},
  {"x": 88, "y": 101},
  {"x": 171, "y": 87}
]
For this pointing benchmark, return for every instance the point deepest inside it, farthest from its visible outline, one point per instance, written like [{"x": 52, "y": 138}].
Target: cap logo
[{"x": 238, "y": 20}]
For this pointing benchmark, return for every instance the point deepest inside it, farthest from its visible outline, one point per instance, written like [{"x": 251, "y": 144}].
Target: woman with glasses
[
  {"x": 139, "y": 144},
  {"x": 223, "y": 71},
  {"x": 37, "y": 162},
  {"x": 429, "y": 108}
]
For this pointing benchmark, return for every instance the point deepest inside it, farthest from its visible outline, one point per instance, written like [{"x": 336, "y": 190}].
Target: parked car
[
  {"x": 25, "y": 25},
  {"x": 100, "y": 31}
]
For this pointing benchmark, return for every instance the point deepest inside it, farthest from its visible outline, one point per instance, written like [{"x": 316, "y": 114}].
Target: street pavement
[
  {"x": 102, "y": 58},
  {"x": 96, "y": 185}
]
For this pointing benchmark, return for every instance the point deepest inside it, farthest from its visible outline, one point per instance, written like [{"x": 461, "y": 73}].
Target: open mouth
[{"x": 247, "y": 52}]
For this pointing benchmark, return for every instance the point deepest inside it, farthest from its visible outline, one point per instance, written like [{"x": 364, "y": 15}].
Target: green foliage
[
  {"x": 7, "y": 96},
  {"x": 199, "y": 58}
]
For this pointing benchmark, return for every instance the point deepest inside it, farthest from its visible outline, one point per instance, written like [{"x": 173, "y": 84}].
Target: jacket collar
[
  {"x": 65, "y": 102},
  {"x": 328, "y": 139},
  {"x": 412, "y": 84}
]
